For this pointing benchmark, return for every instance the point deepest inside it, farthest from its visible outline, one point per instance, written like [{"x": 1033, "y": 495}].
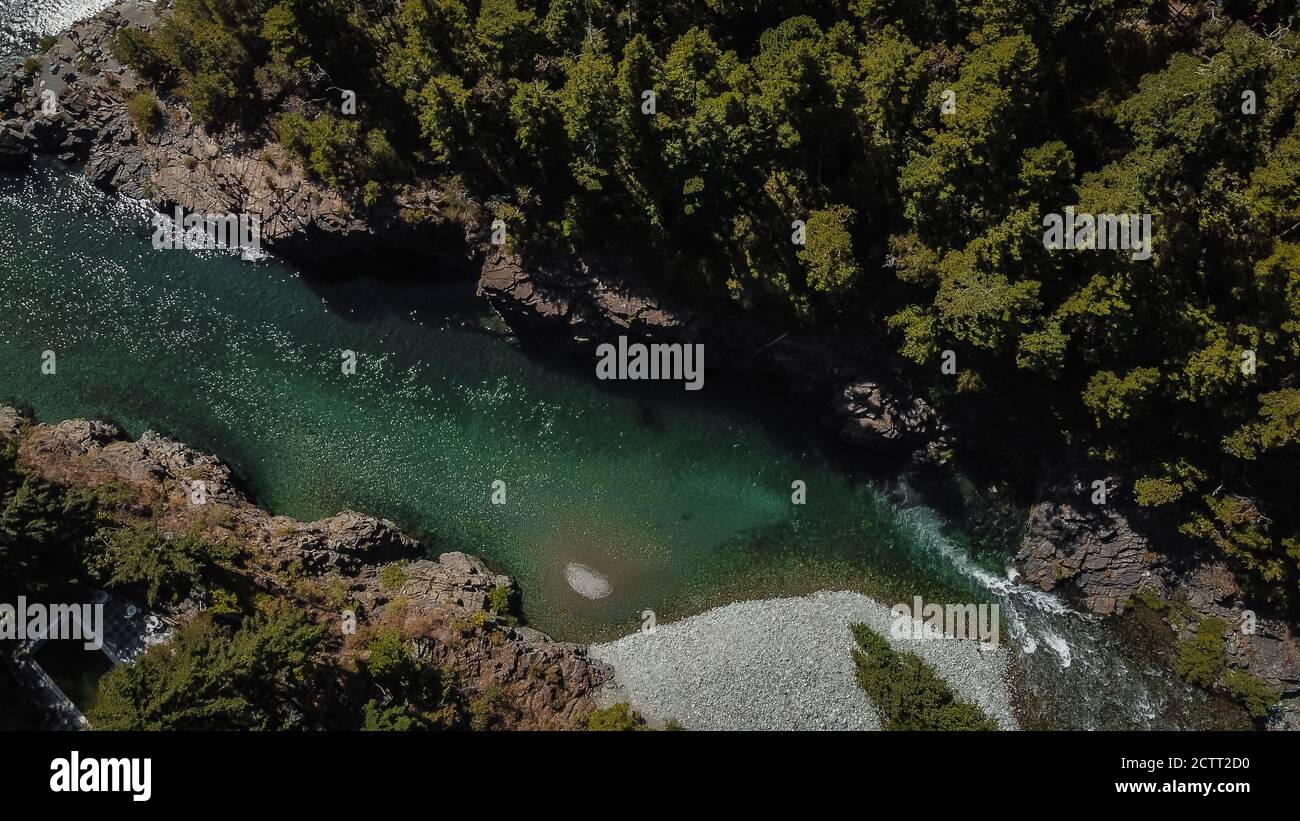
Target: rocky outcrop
[
  {"x": 349, "y": 562},
  {"x": 12, "y": 422},
  {"x": 1091, "y": 552},
  {"x": 1265, "y": 646},
  {"x": 345, "y": 543},
  {"x": 587, "y": 304},
  {"x": 14, "y": 155},
  {"x": 864, "y": 414},
  {"x": 74, "y": 106},
  {"x": 1101, "y": 556}
]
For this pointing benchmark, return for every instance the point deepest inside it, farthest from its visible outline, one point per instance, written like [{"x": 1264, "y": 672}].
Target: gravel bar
[{"x": 782, "y": 664}]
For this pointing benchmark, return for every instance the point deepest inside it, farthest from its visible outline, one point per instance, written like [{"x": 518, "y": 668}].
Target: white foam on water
[
  {"x": 1061, "y": 648},
  {"x": 21, "y": 21},
  {"x": 47, "y": 16}
]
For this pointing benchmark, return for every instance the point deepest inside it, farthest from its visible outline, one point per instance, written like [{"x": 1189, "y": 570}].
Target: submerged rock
[{"x": 587, "y": 582}]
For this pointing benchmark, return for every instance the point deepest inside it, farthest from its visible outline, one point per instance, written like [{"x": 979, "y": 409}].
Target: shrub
[
  {"x": 502, "y": 603},
  {"x": 1203, "y": 658},
  {"x": 115, "y": 496},
  {"x": 45, "y": 530},
  {"x": 499, "y": 599},
  {"x": 168, "y": 569},
  {"x": 210, "y": 677},
  {"x": 145, "y": 113},
  {"x": 1150, "y": 600},
  {"x": 139, "y": 51},
  {"x": 326, "y": 146},
  {"x": 619, "y": 717},
  {"x": 223, "y": 603},
  {"x": 336, "y": 151},
  {"x": 485, "y": 711},
  {"x": 907, "y": 692},
  {"x": 1256, "y": 696},
  {"x": 392, "y": 576},
  {"x": 389, "y": 662},
  {"x": 394, "y": 718}
]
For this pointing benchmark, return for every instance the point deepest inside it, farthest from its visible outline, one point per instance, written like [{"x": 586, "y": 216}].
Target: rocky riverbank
[
  {"x": 181, "y": 164},
  {"x": 1110, "y": 558},
  {"x": 348, "y": 562}
]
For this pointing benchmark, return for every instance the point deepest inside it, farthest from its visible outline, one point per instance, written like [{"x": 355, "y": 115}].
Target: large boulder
[
  {"x": 863, "y": 414},
  {"x": 1091, "y": 552},
  {"x": 14, "y": 155},
  {"x": 346, "y": 543},
  {"x": 12, "y": 422}
]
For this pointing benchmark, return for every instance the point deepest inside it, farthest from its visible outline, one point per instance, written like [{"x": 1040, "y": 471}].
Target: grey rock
[
  {"x": 590, "y": 302},
  {"x": 14, "y": 154},
  {"x": 1091, "y": 551},
  {"x": 345, "y": 543},
  {"x": 863, "y": 414},
  {"x": 12, "y": 422}
]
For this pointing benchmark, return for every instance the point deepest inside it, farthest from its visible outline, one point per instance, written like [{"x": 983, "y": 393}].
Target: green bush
[
  {"x": 139, "y": 51},
  {"x": 1150, "y": 600},
  {"x": 394, "y": 718},
  {"x": 45, "y": 530},
  {"x": 145, "y": 112},
  {"x": 210, "y": 677},
  {"x": 224, "y": 603},
  {"x": 168, "y": 568},
  {"x": 1253, "y": 694},
  {"x": 336, "y": 150},
  {"x": 618, "y": 717},
  {"x": 388, "y": 661},
  {"x": 114, "y": 496},
  {"x": 1203, "y": 657},
  {"x": 485, "y": 711},
  {"x": 499, "y": 599},
  {"x": 393, "y": 575},
  {"x": 906, "y": 691}
]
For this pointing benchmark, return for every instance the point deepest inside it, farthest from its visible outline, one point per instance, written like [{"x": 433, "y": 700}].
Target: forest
[{"x": 915, "y": 147}]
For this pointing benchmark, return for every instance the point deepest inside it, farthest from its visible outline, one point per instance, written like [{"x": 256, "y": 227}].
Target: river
[{"x": 680, "y": 499}]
